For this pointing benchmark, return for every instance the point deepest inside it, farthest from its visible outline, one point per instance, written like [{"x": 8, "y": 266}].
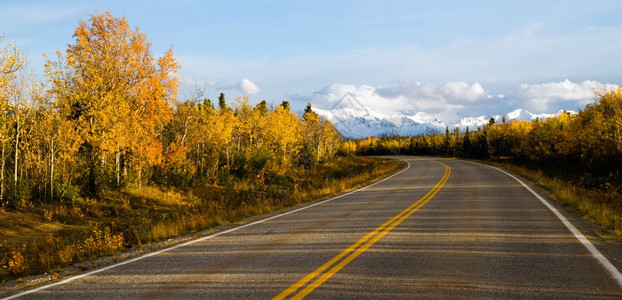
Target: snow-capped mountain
[{"x": 361, "y": 122}]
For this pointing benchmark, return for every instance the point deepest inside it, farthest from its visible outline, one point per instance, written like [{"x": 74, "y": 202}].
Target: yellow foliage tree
[
  {"x": 331, "y": 139},
  {"x": 115, "y": 93},
  {"x": 348, "y": 147},
  {"x": 283, "y": 134}
]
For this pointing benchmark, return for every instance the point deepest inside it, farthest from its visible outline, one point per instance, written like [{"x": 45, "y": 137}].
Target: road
[{"x": 440, "y": 229}]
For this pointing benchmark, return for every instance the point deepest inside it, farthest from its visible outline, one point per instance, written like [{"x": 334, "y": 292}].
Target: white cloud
[
  {"x": 443, "y": 101},
  {"x": 193, "y": 81},
  {"x": 565, "y": 90},
  {"x": 539, "y": 97},
  {"x": 462, "y": 91},
  {"x": 365, "y": 95},
  {"x": 248, "y": 87},
  {"x": 454, "y": 94}
]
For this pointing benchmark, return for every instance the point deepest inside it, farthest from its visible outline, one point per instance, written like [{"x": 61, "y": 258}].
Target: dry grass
[
  {"x": 48, "y": 237},
  {"x": 587, "y": 202}
]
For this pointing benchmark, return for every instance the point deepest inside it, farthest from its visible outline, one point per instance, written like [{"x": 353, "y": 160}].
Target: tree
[
  {"x": 348, "y": 147},
  {"x": 262, "y": 107},
  {"x": 24, "y": 95},
  {"x": 331, "y": 139},
  {"x": 222, "y": 104},
  {"x": 466, "y": 143},
  {"x": 285, "y": 105},
  {"x": 11, "y": 62},
  {"x": 283, "y": 133},
  {"x": 600, "y": 131},
  {"x": 312, "y": 129},
  {"x": 115, "y": 93}
]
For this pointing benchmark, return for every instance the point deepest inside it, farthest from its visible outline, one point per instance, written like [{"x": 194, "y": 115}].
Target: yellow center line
[{"x": 360, "y": 246}]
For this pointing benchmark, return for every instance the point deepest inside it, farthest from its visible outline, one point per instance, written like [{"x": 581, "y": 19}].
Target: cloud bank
[
  {"x": 542, "y": 96},
  {"x": 444, "y": 101},
  {"x": 453, "y": 100}
]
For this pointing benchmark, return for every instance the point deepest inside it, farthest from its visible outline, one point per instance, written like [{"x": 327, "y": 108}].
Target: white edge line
[
  {"x": 45, "y": 287},
  {"x": 590, "y": 247}
]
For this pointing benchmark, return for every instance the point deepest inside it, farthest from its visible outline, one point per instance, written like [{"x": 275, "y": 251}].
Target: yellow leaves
[
  {"x": 111, "y": 114},
  {"x": 332, "y": 138},
  {"x": 348, "y": 147},
  {"x": 113, "y": 91},
  {"x": 11, "y": 62},
  {"x": 153, "y": 153},
  {"x": 220, "y": 129},
  {"x": 283, "y": 133}
]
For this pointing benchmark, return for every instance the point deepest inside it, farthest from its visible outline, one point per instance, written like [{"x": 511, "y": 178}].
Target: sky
[{"x": 447, "y": 58}]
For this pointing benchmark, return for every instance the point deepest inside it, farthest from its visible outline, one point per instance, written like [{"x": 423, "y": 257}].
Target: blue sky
[{"x": 446, "y": 58}]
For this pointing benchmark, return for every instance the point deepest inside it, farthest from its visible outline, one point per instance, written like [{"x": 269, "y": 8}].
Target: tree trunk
[
  {"x": 53, "y": 155},
  {"x": 228, "y": 160},
  {"x": 17, "y": 129},
  {"x": 2, "y": 174},
  {"x": 317, "y": 155},
  {"x": 140, "y": 178},
  {"x": 118, "y": 166},
  {"x": 93, "y": 161}
]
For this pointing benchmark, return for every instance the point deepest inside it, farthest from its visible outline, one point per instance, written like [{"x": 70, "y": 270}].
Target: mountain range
[{"x": 354, "y": 123}]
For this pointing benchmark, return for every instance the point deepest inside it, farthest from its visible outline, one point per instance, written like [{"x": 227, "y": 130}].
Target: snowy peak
[
  {"x": 523, "y": 115},
  {"x": 519, "y": 114},
  {"x": 422, "y": 117},
  {"x": 355, "y": 122}
]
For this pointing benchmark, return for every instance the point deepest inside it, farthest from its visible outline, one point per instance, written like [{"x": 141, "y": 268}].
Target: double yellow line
[{"x": 319, "y": 276}]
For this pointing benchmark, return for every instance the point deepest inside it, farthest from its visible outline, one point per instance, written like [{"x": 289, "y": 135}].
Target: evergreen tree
[
  {"x": 262, "y": 107},
  {"x": 285, "y": 105},
  {"x": 491, "y": 122},
  {"x": 222, "y": 104},
  {"x": 309, "y": 112}
]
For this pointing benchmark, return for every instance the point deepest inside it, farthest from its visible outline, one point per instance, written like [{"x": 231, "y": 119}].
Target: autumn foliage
[
  {"x": 111, "y": 118},
  {"x": 105, "y": 153},
  {"x": 116, "y": 96}
]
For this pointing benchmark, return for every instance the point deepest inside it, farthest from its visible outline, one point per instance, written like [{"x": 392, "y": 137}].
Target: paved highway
[{"x": 439, "y": 229}]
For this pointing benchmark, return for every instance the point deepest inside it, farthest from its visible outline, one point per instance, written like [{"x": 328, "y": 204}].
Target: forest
[
  {"x": 109, "y": 116},
  {"x": 106, "y": 154}
]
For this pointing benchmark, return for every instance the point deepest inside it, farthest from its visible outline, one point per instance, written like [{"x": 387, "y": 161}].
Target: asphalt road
[{"x": 440, "y": 229}]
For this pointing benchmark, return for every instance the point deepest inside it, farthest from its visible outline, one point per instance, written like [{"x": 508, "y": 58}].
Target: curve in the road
[{"x": 346, "y": 256}]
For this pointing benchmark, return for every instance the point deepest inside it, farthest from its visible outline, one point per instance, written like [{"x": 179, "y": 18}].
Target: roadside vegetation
[
  {"x": 578, "y": 157},
  {"x": 105, "y": 155},
  {"x": 45, "y": 237}
]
